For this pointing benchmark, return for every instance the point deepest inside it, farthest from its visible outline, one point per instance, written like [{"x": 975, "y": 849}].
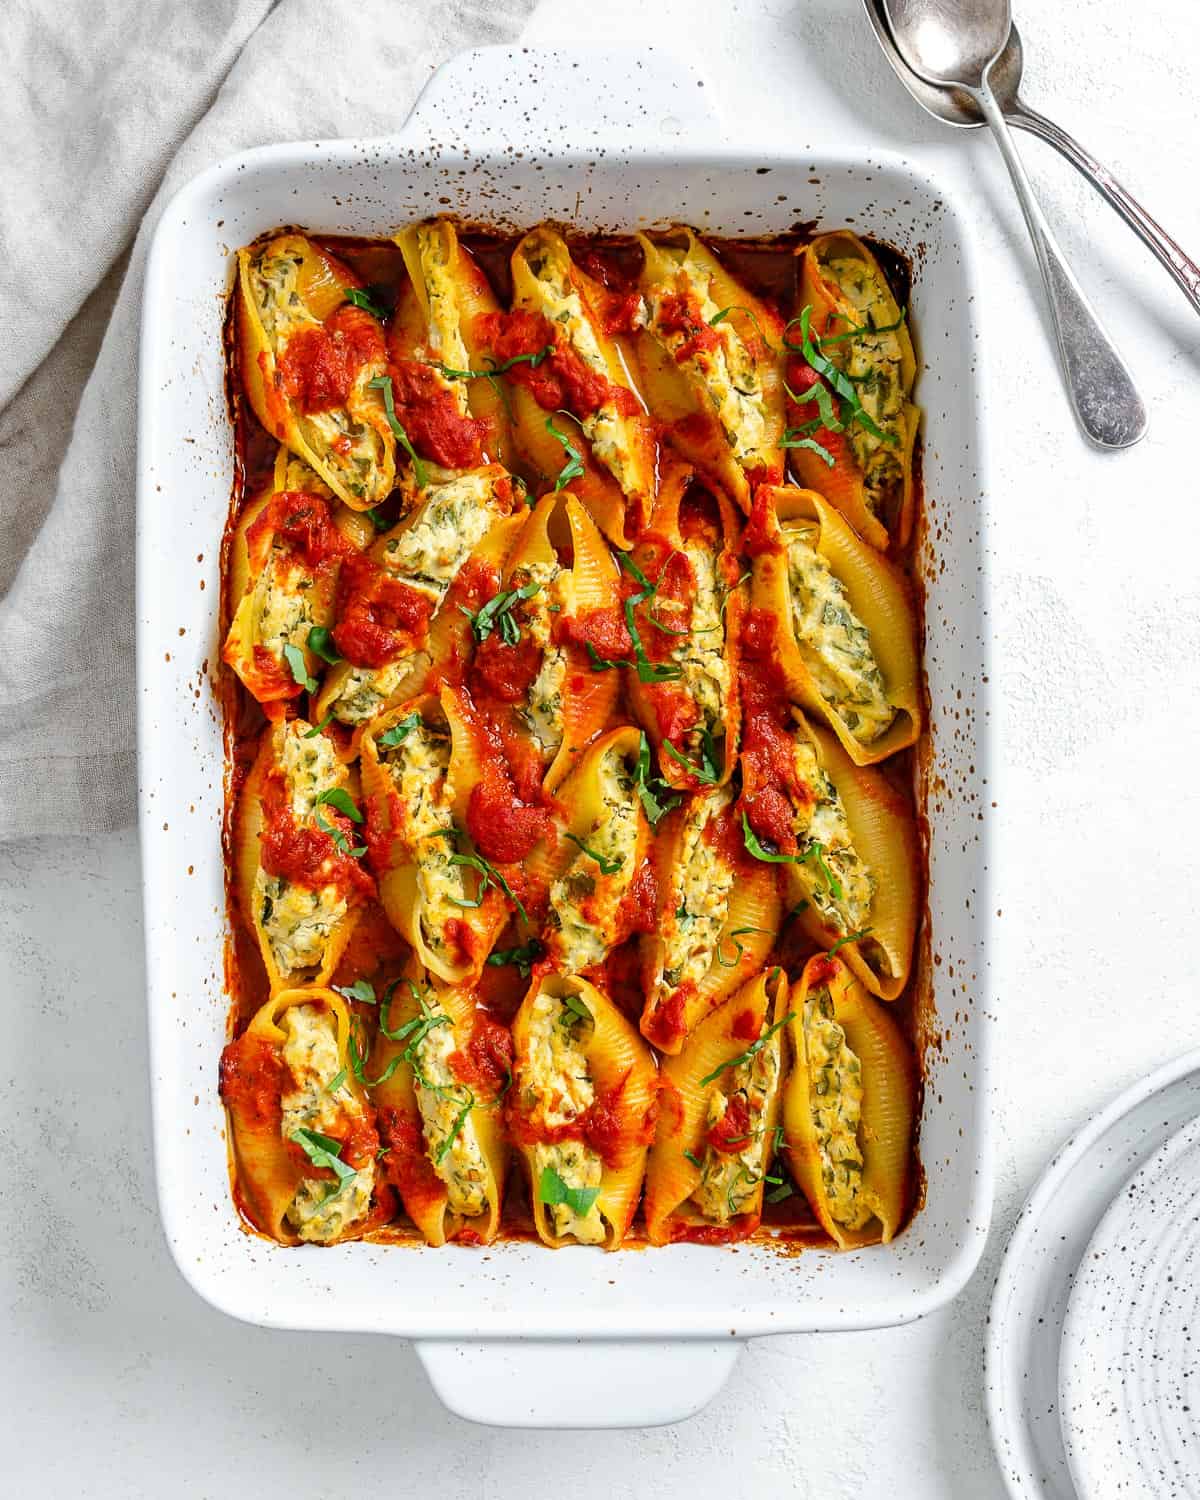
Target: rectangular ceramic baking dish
[{"x": 600, "y": 141}]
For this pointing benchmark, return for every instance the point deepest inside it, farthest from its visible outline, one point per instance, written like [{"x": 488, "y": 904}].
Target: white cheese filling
[
  {"x": 730, "y": 1180},
  {"x": 322, "y": 1210},
  {"x": 836, "y": 1095},
  {"x": 448, "y": 1123},
  {"x": 701, "y": 884},
  {"x": 833, "y": 642}
]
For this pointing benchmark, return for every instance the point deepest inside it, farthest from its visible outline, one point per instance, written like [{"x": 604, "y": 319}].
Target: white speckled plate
[
  {"x": 1043, "y": 1256},
  {"x": 1128, "y": 1378}
]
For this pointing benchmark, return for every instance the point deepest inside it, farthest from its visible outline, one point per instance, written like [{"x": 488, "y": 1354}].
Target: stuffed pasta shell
[
  {"x": 848, "y": 1107},
  {"x": 283, "y": 566},
  {"x": 416, "y": 772},
  {"x": 400, "y": 607},
  {"x": 843, "y": 836},
  {"x": 683, "y": 627},
  {"x": 574, "y": 403},
  {"x": 847, "y": 634},
  {"x": 595, "y": 868},
  {"x": 850, "y": 373},
  {"x": 718, "y": 915},
  {"x": 301, "y": 1130},
  {"x": 529, "y": 674},
  {"x": 311, "y": 358},
  {"x": 452, "y": 413},
  {"x": 581, "y": 1111},
  {"x": 300, "y": 876},
  {"x": 435, "y": 1076},
  {"x": 719, "y": 1107},
  {"x": 711, "y": 366}
]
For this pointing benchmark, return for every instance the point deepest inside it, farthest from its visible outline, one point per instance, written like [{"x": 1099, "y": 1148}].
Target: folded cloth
[{"x": 107, "y": 112}]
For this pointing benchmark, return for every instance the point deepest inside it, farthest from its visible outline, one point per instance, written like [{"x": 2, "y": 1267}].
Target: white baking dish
[{"x": 600, "y": 141}]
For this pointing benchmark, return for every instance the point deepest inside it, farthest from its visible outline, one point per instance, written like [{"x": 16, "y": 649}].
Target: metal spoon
[
  {"x": 956, "y": 44},
  {"x": 953, "y": 107}
]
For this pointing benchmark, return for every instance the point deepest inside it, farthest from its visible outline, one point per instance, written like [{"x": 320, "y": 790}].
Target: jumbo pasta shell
[
  {"x": 678, "y": 1159},
  {"x": 292, "y": 285},
  {"x": 878, "y": 598},
  {"x": 623, "y": 1083},
  {"x": 877, "y": 1188}
]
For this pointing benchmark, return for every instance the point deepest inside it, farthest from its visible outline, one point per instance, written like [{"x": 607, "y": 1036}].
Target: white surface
[
  {"x": 122, "y": 1377},
  {"x": 1044, "y": 1254},
  {"x": 1128, "y": 1381},
  {"x": 599, "y": 166}
]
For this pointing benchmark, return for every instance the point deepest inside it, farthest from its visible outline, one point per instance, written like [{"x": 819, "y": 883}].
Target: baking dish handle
[
  {"x": 577, "y": 1382},
  {"x": 600, "y": 99}
]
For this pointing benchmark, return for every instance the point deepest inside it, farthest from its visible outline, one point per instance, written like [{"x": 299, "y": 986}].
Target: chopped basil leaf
[
  {"x": 299, "y": 670},
  {"x": 574, "y": 1010},
  {"x": 695, "y": 1160},
  {"x": 323, "y": 1151},
  {"x": 497, "y": 613},
  {"x": 394, "y": 736},
  {"x": 723, "y": 313},
  {"x": 810, "y": 347},
  {"x": 338, "y": 797},
  {"x": 778, "y": 1194},
  {"x": 320, "y": 641},
  {"x": 384, "y": 383},
  {"x": 532, "y": 360},
  {"x": 792, "y": 439},
  {"x": 522, "y": 958},
  {"x": 708, "y": 771},
  {"x": 647, "y": 670},
  {"x": 822, "y": 395},
  {"x": 657, "y": 798},
  {"x": 573, "y": 468},
  {"x": 552, "y": 1189},
  {"x": 851, "y": 937},
  {"x": 752, "y": 1051},
  {"x": 358, "y": 1064},
  {"x": 340, "y": 840},
  {"x": 490, "y": 876},
  {"x": 607, "y": 866},
  {"x": 740, "y": 947},
  {"x": 380, "y": 523},
  {"x": 310, "y": 734},
  {"x": 360, "y": 299},
  {"x": 361, "y": 989},
  {"x": 336, "y": 1082}
]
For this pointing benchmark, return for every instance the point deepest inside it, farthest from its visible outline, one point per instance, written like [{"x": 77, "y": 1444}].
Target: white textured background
[{"x": 118, "y": 1382}]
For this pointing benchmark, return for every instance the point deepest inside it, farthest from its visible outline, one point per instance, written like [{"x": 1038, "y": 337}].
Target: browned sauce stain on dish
[{"x": 767, "y": 266}]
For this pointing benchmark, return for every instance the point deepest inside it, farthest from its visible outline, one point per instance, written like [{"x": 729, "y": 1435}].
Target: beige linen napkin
[{"x": 107, "y": 110}]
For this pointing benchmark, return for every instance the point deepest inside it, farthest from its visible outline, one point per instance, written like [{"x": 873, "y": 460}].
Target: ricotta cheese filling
[
  {"x": 833, "y": 642},
  {"x": 701, "y": 883},
  {"x": 873, "y": 362},
  {"x": 726, "y": 375},
  {"x": 452, "y": 521},
  {"x": 730, "y": 1180},
  {"x": 419, "y": 767},
  {"x": 352, "y": 447},
  {"x": 299, "y": 921},
  {"x": 614, "y": 442},
  {"x": 542, "y": 711},
  {"x": 282, "y": 604},
  {"x": 583, "y": 900},
  {"x": 835, "y": 880},
  {"x": 700, "y": 654},
  {"x": 558, "y": 1088},
  {"x": 322, "y": 1210},
  {"x": 835, "y": 1098},
  {"x": 448, "y": 1122}
]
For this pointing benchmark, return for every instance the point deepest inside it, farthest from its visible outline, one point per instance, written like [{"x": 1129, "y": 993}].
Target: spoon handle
[
  {"x": 1170, "y": 255},
  {"x": 1101, "y": 389}
]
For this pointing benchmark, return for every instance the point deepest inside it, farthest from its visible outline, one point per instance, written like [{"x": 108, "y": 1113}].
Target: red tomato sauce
[
  {"x": 731, "y": 1132},
  {"x": 307, "y": 856},
  {"x": 405, "y": 1164},
  {"x": 668, "y": 1024},
  {"x": 319, "y": 366},
  {"x": 561, "y": 380},
  {"x": 679, "y": 312},
  {"x": 304, "y": 524},
  {"x": 486, "y": 1063},
  {"x": 429, "y": 413},
  {"x": 253, "y": 1078},
  {"x": 379, "y": 618}
]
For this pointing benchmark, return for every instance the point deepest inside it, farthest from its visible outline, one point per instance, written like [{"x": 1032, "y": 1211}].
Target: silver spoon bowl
[
  {"x": 953, "y": 107},
  {"x": 956, "y": 44}
]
